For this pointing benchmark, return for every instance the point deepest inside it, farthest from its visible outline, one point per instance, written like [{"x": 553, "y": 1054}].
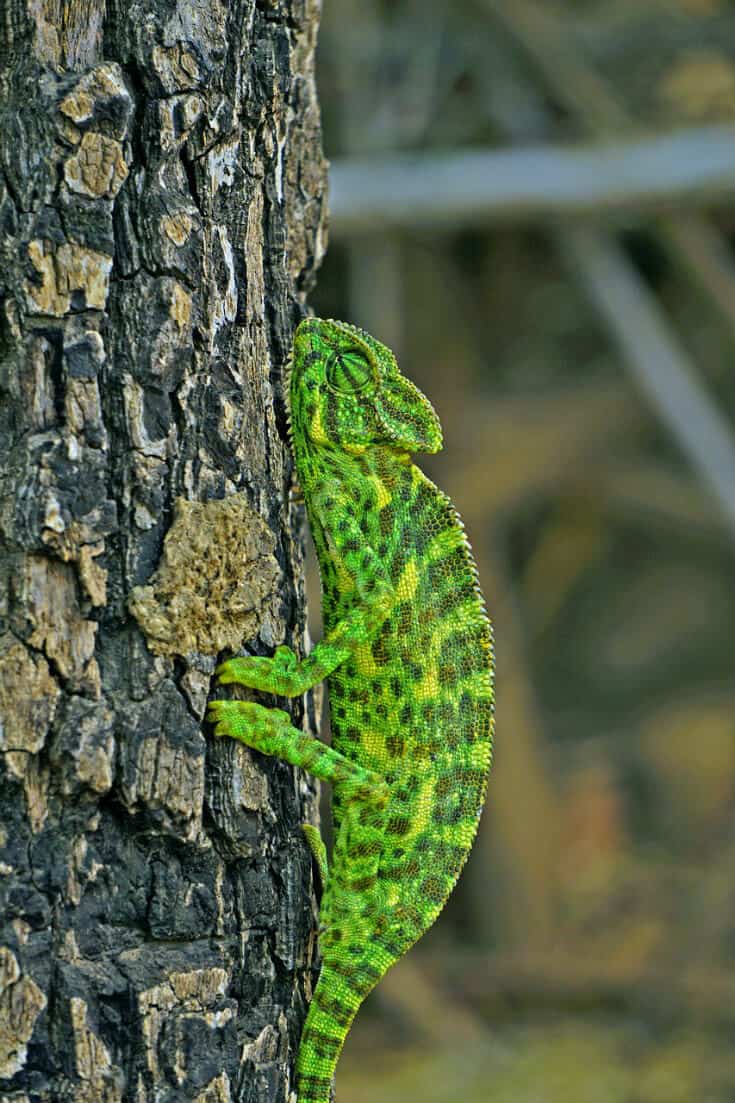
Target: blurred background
[{"x": 533, "y": 205}]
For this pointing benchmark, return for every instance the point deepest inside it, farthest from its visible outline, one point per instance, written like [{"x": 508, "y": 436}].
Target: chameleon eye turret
[
  {"x": 407, "y": 654},
  {"x": 349, "y": 372}
]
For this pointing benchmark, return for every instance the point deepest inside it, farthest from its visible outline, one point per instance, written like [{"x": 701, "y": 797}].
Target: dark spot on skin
[
  {"x": 405, "y": 715},
  {"x": 398, "y": 825},
  {"x": 386, "y": 519},
  {"x": 395, "y": 949},
  {"x": 398, "y": 564},
  {"x": 362, "y": 884},
  {"x": 447, "y": 674},
  {"x": 404, "y": 616},
  {"x": 339, "y": 1011},
  {"x": 446, "y": 713},
  {"x": 369, "y": 817},
  {"x": 361, "y": 850},
  {"x": 421, "y": 540},
  {"x": 448, "y": 815},
  {"x": 433, "y": 889},
  {"x": 445, "y": 785},
  {"x": 395, "y": 745},
  {"x": 392, "y": 873}
]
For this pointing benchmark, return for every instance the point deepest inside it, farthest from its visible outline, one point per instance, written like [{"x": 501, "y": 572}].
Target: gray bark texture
[{"x": 161, "y": 216}]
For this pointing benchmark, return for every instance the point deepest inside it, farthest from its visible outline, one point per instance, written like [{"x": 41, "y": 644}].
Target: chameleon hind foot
[{"x": 271, "y": 732}]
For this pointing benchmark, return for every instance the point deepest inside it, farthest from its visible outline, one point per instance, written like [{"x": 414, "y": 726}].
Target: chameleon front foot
[{"x": 280, "y": 675}]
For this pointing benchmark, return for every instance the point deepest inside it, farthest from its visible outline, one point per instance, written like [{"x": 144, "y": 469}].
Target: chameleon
[{"x": 407, "y": 653}]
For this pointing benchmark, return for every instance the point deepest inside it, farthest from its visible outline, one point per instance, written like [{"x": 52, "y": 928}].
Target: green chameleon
[{"x": 408, "y": 653}]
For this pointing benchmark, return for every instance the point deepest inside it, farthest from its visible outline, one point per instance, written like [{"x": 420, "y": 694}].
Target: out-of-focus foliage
[{"x": 589, "y": 953}]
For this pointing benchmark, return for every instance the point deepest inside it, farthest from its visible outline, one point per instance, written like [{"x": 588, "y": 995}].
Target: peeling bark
[{"x": 161, "y": 216}]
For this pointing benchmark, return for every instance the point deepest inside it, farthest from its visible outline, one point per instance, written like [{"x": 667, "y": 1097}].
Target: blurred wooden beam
[{"x": 690, "y": 167}]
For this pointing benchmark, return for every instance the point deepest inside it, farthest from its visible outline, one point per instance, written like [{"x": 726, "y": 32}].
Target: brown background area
[{"x": 588, "y": 952}]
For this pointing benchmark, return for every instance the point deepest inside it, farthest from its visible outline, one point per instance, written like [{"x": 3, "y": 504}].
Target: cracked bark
[{"x": 161, "y": 199}]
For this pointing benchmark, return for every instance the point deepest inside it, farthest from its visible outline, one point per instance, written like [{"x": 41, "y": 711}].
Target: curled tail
[{"x": 330, "y": 1016}]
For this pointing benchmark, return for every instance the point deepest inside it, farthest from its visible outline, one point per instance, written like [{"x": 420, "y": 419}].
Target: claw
[
  {"x": 217, "y": 714},
  {"x": 226, "y": 671}
]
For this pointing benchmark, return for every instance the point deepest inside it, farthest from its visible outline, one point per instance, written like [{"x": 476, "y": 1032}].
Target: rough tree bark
[{"x": 161, "y": 198}]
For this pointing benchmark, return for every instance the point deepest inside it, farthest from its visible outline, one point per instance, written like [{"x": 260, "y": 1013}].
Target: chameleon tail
[{"x": 330, "y": 1016}]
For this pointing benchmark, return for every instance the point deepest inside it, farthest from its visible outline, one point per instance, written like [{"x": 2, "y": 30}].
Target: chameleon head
[{"x": 346, "y": 392}]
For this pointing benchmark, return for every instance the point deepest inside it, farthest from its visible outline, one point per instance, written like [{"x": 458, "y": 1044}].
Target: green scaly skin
[{"x": 408, "y": 654}]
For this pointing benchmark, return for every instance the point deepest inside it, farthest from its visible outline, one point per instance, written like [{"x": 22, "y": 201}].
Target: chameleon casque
[{"x": 408, "y": 653}]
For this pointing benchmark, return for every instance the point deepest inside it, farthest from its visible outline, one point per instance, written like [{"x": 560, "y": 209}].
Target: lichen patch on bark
[{"x": 216, "y": 583}]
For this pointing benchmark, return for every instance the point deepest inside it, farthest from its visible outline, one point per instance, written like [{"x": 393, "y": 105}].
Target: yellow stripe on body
[
  {"x": 383, "y": 495},
  {"x": 317, "y": 427},
  {"x": 408, "y": 582}
]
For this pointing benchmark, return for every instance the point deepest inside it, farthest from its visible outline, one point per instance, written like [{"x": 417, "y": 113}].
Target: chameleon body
[{"x": 408, "y": 655}]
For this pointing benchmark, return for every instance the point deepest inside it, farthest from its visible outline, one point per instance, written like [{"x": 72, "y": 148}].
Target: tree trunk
[{"x": 161, "y": 199}]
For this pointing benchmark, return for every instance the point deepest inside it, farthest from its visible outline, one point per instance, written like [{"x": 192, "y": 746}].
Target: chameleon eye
[{"x": 348, "y": 372}]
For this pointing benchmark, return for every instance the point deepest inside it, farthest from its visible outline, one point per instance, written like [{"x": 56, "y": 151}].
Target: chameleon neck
[{"x": 372, "y": 476}]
